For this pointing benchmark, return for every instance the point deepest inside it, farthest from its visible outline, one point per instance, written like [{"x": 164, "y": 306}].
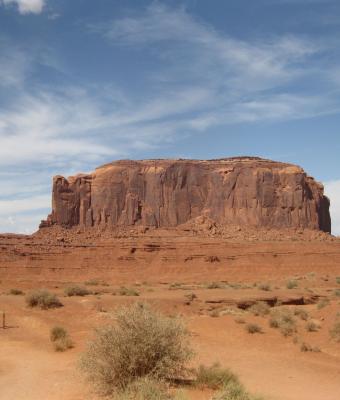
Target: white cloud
[
  {"x": 27, "y": 6},
  {"x": 332, "y": 190}
]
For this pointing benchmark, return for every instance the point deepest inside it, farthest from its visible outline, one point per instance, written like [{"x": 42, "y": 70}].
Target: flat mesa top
[{"x": 256, "y": 161}]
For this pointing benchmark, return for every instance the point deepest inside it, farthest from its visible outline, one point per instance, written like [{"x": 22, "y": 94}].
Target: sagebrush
[{"x": 141, "y": 343}]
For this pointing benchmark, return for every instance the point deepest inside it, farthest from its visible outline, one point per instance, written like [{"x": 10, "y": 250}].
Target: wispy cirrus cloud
[{"x": 26, "y": 6}]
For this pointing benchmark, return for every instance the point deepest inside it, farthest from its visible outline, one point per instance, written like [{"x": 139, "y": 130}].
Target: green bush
[
  {"x": 214, "y": 377},
  {"x": 260, "y": 308},
  {"x": 142, "y": 343},
  {"x": 253, "y": 328},
  {"x": 43, "y": 299},
  {"x": 76, "y": 290}
]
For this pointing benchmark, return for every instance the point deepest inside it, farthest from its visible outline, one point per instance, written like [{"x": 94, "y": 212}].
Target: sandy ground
[{"x": 267, "y": 363}]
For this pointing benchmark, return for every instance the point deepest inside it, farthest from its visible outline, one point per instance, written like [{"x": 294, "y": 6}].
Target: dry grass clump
[
  {"x": 322, "y": 303},
  {"x": 312, "y": 326},
  {"x": 148, "y": 389},
  {"x": 234, "y": 391},
  {"x": 260, "y": 308},
  {"x": 214, "y": 377},
  {"x": 240, "y": 320},
  {"x": 292, "y": 284},
  {"x": 264, "y": 286},
  {"x": 335, "y": 331},
  {"x": 307, "y": 347},
  {"x": 124, "y": 291},
  {"x": 303, "y": 314},
  {"x": 60, "y": 338},
  {"x": 215, "y": 285},
  {"x": 142, "y": 343},
  {"x": 43, "y": 299},
  {"x": 253, "y": 328},
  {"x": 283, "y": 320},
  {"x": 75, "y": 290},
  {"x": 16, "y": 292}
]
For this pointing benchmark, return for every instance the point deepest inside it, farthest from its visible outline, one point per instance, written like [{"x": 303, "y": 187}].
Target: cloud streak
[{"x": 26, "y": 6}]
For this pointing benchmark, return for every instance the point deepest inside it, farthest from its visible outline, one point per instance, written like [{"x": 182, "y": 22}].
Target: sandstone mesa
[{"x": 244, "y": 191}]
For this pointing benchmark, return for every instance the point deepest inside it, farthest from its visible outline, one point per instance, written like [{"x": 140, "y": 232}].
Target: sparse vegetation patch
[
  {"x": 142, "y": 343},
  {"x": 43, "y": 299},
  {"x": 75, "y": 290}
]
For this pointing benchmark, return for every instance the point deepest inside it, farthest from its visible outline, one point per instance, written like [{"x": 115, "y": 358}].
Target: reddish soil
[{"x": 166, "y": 266}]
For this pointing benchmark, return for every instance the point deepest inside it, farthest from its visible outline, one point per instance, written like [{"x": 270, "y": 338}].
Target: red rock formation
[{"x": 167, "y": 193}]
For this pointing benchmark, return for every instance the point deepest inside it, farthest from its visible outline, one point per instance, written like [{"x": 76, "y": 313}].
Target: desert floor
[{"x": 225, "y": 286}]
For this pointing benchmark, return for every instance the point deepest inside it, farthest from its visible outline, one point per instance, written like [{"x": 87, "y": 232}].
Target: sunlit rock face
[{"x": 167, "y": 193}]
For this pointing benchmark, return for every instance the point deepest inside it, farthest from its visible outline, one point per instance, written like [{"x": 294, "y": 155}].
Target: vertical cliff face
[{"x": 167, "y": 193}]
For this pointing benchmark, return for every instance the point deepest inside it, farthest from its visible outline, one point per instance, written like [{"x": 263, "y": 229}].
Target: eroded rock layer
[{"x": 168, "y": 193}]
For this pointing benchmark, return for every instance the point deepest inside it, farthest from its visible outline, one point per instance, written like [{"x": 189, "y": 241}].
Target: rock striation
[{"x": 166, "y": 193}]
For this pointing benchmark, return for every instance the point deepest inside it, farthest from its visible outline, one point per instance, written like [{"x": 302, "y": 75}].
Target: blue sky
[{"x": 86, "y": 82}]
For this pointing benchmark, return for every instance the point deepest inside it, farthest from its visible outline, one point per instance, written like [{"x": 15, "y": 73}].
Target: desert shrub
[
  {"x": 95, "y": 282},
  {"x": 43, "y": 299},
  {"x": 60, "y": 339},
  {"x": 142, "y": 343},
  {"x": 76, "y": 290},
  {"x": 214, "y": 377},
  {"x": 335, "y": 331},
  {"x": 175, "y": 285},
  {"x": 264, "y": 286},
  {"x": 240, "y": 320},
  {"x": 337, "y": 279},
  {"x": 124, "y": 291},
  {"x": 16, "y": 292},
  {"x": 292, "y": 284},
  {"x": 253, "y": 328},
  {"x": 260, "y": 308},
  {"x": 337, "y": 292},
  {"x": 215, "y": 285},
  {"x": 148, "y": 389},
  {"x": 307, "y": 347},
  {"x": 57, "y": 332},
  {"x": 312, "y": 326},
  {"x": 214, "y": 313},
  {"x": 63, "y": 344},
  {"x": 322, "y": 303},
  {"x": 283, "y": 320},
  {"x": 234, "y": 391},
  {"x": 303, "y": 314}
]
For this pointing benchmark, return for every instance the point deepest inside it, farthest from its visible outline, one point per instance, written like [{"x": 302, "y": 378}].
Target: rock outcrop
[{"x": 167, "y": 193}]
